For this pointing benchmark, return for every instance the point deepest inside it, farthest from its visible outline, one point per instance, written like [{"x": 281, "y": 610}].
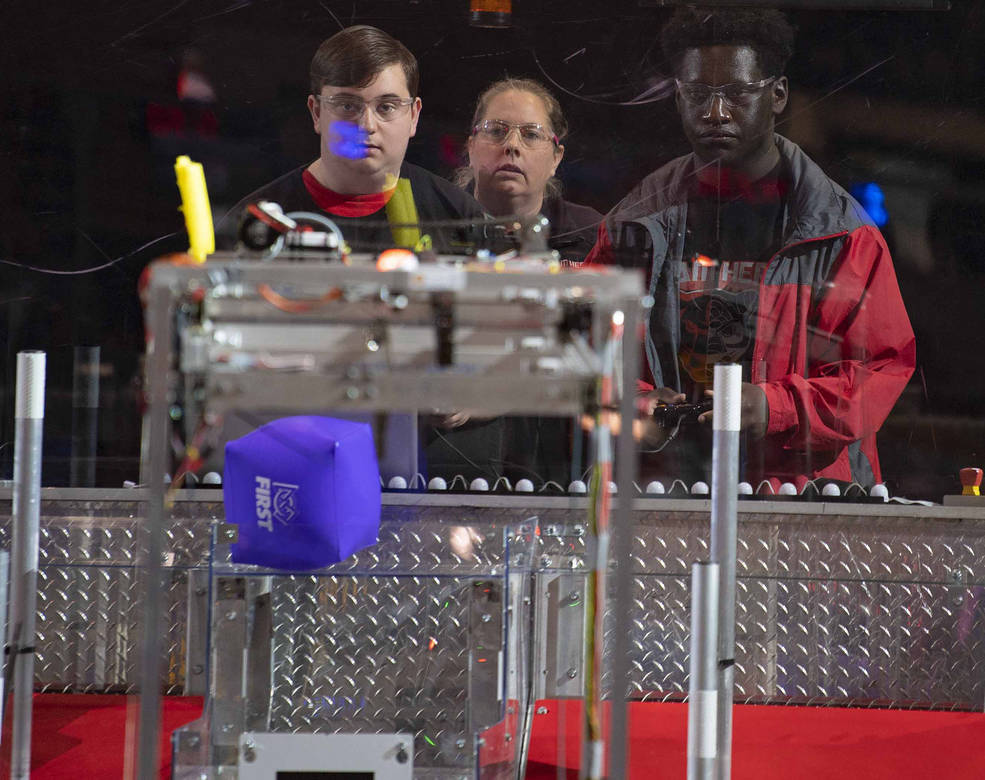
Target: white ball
[
  {"x": 655, "y": 488},
  {"x": 745, "y": 489},
  {"x": 437, "y": 483},
  {"x": 879, "y": 491},
  {"x": 577, "y": 487},
  {"x": 524, "y": 486},
  {"x": 397, "y": 483},
  {"x": 699, "y": 489},
  {"x": 788, "y": 489},
  {"x": 478, "y": 484},
  {"x": 831, "y": 489},
  {"x": 212, "y": 478}
]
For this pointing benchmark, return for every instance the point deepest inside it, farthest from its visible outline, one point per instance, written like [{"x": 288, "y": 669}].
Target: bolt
[
  {"x": 459, "y": 743},
  {"x": 352, "y": 393},
  {"x": 249, "y": 752},
  {"x": 572, "y": 673},
  {"x": 402, "y": 756},
  {"x": 542, "y": 710},
  {"x": 200, "y": 591},
  {"x": 486, "y": 617},
  {"x": 231, "y": 614},
  {"x": 198, "y": 669}
]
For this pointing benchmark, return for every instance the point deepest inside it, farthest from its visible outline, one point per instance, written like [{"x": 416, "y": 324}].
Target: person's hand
[
  {"x": 659, "y": 395},
  {"x": 455, "y": 419},
  {"x": 652, "y": 434},
  {"x": 754, "y": 410}
]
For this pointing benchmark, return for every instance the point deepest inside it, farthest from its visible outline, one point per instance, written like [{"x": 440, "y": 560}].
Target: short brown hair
[{"x": 356, "y": 55}]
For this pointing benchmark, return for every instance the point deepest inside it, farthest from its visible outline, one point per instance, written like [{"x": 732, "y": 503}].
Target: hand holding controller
[{"x": 672, "y": 415}]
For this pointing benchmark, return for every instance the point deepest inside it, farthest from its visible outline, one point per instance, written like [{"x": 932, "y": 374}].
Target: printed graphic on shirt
[{"x": 718, "y": 314}]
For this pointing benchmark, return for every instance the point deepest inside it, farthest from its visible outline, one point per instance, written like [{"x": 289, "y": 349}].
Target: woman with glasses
[{"x": 514, "y": 150}]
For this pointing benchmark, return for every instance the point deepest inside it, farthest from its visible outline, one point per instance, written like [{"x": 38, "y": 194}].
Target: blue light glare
[
  {"x": 871, "y": 197},
  {"x": 347, "y": 139}
]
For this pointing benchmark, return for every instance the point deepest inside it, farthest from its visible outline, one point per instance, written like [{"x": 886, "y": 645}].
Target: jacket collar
[{"x": 818, "y": 207}]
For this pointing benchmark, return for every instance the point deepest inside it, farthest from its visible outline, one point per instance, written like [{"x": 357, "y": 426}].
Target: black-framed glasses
[
  {"x": 531, "y": 134},
  {"x": 350, "y": 108},
  {"x": 736, "y": 95}
]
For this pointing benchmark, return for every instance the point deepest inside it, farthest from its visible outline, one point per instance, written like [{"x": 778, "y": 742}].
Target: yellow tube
[
  {"x": 195, "y": 207},
  {"x": 401, "y": 213}
]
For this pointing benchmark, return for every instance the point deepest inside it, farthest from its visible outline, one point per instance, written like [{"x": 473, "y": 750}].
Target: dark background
[{"x": 90, "y": 124}]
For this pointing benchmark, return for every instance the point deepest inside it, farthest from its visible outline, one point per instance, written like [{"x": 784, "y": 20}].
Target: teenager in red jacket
[{"x": 756, "y": 257}]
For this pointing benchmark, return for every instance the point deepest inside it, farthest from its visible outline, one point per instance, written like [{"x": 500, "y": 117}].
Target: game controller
[{"x": 672, "y": 415}]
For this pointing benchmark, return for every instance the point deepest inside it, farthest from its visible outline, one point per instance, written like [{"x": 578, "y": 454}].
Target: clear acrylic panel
[{"x": 424, "y": 633}]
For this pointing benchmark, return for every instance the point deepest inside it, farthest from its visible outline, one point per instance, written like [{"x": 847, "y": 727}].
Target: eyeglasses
[
  {"x": 350, "y": 108},
  {"x": 531, "y": 135},
  {"x": 735, "y": 95}
]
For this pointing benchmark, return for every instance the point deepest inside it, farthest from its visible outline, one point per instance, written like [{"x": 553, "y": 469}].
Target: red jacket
[{"x": 834, "y": 347}]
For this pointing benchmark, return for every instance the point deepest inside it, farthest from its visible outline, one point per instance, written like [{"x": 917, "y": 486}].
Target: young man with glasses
[
  {"x": 756, "y": 257},
  {"x": 365, "y": 108}
]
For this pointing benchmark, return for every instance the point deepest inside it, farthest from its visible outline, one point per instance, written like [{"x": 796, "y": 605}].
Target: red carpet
[
  {"x": 781, "y": 743},
  {"x": 84, "y": 737}
]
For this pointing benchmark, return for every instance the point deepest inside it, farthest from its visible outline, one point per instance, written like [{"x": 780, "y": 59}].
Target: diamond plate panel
[
  {"x": 831, "y": 601},
  {"x": 89, "y": 628},
  {"x": 90, "y": 618},
  {"x": 822, "y": 642},
  {"x": 372, "y": 654}
]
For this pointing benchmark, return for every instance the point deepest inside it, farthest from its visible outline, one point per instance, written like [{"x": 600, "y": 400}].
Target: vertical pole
[
  {"x": 622, "y": 543},
  {"x": 4, "y": 580},
  {"x": 28, "y": 425},
  {"x": 153, "y": 468},
  {"x": 727, "y": 418},
  {"x": 85, "y": 411},
  {"x": 702, "y": 698}
]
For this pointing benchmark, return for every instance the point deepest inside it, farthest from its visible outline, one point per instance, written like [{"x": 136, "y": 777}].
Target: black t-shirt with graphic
[{"x": 733, "y": 228}]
